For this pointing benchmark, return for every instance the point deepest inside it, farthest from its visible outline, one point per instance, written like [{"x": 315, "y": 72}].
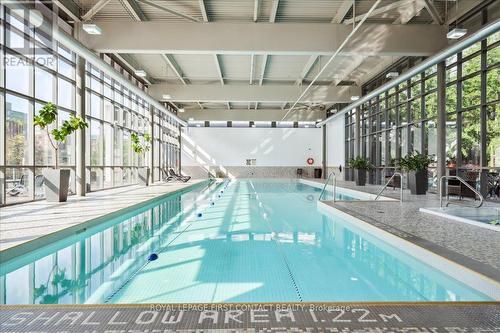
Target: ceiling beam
[
  {"x": 251, "y": 93},
  {"x": 70, "y": 8},
  {"x": 263, "y": 69},
  {"x": 133, "y": 8},
  {"x": 169, "y": 10},
  {"x": 457, "y": 10},
  {"x": 381, "y": 10},
  {"x": 274, "y": 11},
  {"x": 354, "y": 62},
  {"x": 95, "y": 9},
  {"x": 178, "y": 72},
  {"x": 133, "y": 65},
  {"x": 221, "y": 78},
  {"x": 218, "y": 68},
  {"x": 256, "y": 6},
  {"x": 203, "y": 10},
  {"x": 175, "y": 67},
  {"x": 344, "y": 8},
  {"x": 261, "y": 39},
  {"x": 252, "y": 59},
  {"x": 307, "y": 68},
  {"x": 431, "y": 8},
  {"x": 410, "y": 12},
  {"x": 272, "y": 19}
]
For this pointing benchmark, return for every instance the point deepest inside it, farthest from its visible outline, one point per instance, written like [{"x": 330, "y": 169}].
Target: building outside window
[
  {"x": 404, "y": 120},
  {"x": 37, "y": 70}
]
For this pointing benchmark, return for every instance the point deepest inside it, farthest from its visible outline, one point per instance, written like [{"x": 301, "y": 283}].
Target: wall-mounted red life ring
[{"x": 310, "y": 161}]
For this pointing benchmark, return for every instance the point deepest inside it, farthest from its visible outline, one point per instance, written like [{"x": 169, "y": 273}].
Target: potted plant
[
  {"x": 56, "y": 180},
  {"x": 360, "y": 166},
  {"x": 140, "y": 147},
  {"x": 416, "y": 165}
]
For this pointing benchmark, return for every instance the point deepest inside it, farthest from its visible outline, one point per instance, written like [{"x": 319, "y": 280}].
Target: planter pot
[
  {"x": 360, "y": 177},
  {"x": 56, "y": 183},
  {"x": 143, "y": 174},
  {"x": 417, "y": 182}
]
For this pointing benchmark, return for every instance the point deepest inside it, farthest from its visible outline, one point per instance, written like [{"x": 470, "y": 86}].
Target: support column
[
  {"x": 483, "y": 187},
  {"x": 179, "y": 152},
  {"x": 441, "y": 123},
  {"x": 324, "y": 153},
  {"x": 357, "y": 134},
  {"x": 81, "y": 187},
  {"x": 151, "y": 163}
]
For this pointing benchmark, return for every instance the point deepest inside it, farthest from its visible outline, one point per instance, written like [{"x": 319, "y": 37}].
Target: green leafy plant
[
  {"x": 360, "y": 163},
  {"x": 141, "y": 146},
  {"x": 48, "y": 115},
  {"x": 414, "y": 162},
  {"x": 495, "y": 222}
]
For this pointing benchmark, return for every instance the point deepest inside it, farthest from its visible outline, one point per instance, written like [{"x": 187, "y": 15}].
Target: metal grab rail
[
  {"x": 387, "y": 184},
  {"x": 481, "y": 199},
  {"x": 326, "y": 183}
]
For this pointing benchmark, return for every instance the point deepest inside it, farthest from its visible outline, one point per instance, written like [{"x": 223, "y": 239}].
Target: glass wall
[
  {"x": 403, "y": 120},
  {"x": 36, "y": 70}
]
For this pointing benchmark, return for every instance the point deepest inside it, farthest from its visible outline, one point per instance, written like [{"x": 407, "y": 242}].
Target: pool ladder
[
  {"x": 481, "y": 199},
  {"x": 326, "y": 183},
  {"x": 387, "y": 184}
]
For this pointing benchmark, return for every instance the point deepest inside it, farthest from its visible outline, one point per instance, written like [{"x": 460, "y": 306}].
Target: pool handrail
[
  {"x": 460, "y": 179},
  {"x": 387, "y": 184},
  {"x": 326, "y": 183}
]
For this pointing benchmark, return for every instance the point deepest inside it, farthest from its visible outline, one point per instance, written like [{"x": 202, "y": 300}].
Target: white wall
[
  {"x": 335, "y": 142},
  {"x": 269, "y": 146}
]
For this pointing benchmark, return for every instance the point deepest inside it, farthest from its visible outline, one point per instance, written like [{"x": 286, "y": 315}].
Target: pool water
[{"x": 239, "y": 241}]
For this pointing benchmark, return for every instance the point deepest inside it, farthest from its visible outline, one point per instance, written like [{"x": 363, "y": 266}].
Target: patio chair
[
  {"x": 395, "y": 182},
  {"x": 39, "y": 181},
  {"x": 178, "y": 177},
  {"x": 457, "y": 188},
  {"x": 19, "y": 188}
]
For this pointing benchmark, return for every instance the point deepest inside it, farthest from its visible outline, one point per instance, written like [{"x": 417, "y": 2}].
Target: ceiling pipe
[
  {"x": 333, "y": 56},
  {"x": 431, "y": 61},
  {"x": 77, "y": 47}
]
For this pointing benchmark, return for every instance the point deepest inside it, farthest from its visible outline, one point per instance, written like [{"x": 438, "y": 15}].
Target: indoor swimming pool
[{"x": 234, "y": 241}]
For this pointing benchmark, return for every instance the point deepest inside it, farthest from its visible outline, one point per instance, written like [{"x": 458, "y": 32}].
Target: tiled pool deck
[
  {"x": 469, "y": 245},
  {"x": 24, "y": 222}
]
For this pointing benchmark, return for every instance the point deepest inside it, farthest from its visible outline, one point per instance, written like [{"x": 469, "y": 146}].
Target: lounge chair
[
  {"x": 178, "y": 177},
  {"x": 18, "y": 188},
  {"x": 166, "y": 176}
]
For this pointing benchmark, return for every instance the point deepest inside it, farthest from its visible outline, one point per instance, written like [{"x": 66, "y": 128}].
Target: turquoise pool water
[{"x": 260, "y": 241}]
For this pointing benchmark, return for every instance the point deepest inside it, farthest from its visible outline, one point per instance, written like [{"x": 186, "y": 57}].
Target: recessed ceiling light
[
  {"x": 318, "y": 120},
  {"x": 92, "y": 29},
  {"x": 181, "y": 110},
  {"x": 191, "y": 119},
  {"x": 354, "y": 98},
  {"x": 140, "y": 72},
  {"x": 456, "y": 33},
  {"x": 392, "y": 75},
  {"x": 167, "y": 96}
]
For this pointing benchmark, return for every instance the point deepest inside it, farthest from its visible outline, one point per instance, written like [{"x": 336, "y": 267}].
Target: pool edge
[
  {"x": 39, "y": 242},
  {"x": 423, "y": 254}
]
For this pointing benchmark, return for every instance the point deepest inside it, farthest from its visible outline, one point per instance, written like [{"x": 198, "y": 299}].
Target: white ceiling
[{"x": 246, "y": 69}]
